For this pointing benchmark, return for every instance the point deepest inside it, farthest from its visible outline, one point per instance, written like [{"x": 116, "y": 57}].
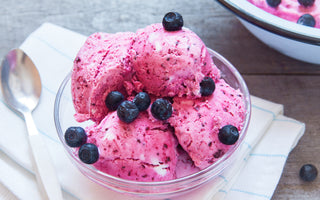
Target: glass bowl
[
  {"x": 205, "y": 182},
  {"x": 292, "y": 39}
]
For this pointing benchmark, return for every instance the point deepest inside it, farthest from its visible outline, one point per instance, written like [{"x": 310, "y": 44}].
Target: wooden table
[{"x": 268, "y": 74}]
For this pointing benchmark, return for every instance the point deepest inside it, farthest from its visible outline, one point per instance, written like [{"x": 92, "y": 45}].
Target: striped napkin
[{"x": 271, "y": 136}]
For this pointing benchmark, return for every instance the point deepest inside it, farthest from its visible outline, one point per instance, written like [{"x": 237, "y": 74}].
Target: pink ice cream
[
  {"x": 171, "y": 63},
  {"x": 163, "y": 64},
  {"x": 185, "y": 165},
  {"x": 144, "y": 150},
  {"x": 102, "y": 65},
  {"x": 197, "y": 122},
  {"x": 291, "y": 10}
]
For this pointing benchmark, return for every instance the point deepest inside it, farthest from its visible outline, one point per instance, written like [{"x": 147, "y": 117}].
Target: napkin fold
[{"x": 270, "y": 138}]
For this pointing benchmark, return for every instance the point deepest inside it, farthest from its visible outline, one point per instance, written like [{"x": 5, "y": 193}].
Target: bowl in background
[
  {"x": 200, "y": 185},
  {"x": 294, "y": 40}
]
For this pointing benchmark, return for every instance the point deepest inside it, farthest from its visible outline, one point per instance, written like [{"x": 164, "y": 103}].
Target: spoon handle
[{"x": 44, "y": 169}]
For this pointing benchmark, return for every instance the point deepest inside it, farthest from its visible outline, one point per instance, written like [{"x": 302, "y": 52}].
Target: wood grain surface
[{"x": 268, "y": 74}]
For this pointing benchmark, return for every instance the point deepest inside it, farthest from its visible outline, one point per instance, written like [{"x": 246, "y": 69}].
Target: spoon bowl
[
  {"x": 20, "y": 81},
  {"x": 21, "y": 88}
]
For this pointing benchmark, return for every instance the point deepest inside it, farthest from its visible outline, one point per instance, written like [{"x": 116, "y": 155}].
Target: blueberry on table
[
  {"x": 273, "y": 3},
  {"x": 307, "y": 20},
  {"x": 75, "y": 136},
  {"x": 113, "y": 100},
  {"x": 127, "y": 111},
  {"x": 228, "y": 135},
  {"x": 308, "y": 172},
  {"x": 172, "y": 21},
  {"x": 161, "y": 109},
  {"x": 306, "y": 3},
  {"x": 89, "y": 153},
  {"x": 207, "y": 86},
  {"x": 142, "y": 100}
]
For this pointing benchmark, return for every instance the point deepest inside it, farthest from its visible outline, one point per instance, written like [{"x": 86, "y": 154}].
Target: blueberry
[
  {"x": 127, "y": 111},
  {"x": 172, "y": 21},
  {"x": 207, "y": 86},
  {"x": 273, "y": 3},
  {"x": 228, "y": 135},
  {"x": 113, "y": 100},
  {"x": 89, "y": 153},
  {"x": 306, "y": 3},
  {"x": 75, "y": 136},
  {"x": 142, "y": 100},
  {"x": 307, "y": 20},
  {"x": 161, "y": 109},
  {"x": 308, "y": 172}
]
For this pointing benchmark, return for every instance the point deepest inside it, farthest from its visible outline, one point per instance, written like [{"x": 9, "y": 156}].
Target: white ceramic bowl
[{"x": 294, "y": 40}]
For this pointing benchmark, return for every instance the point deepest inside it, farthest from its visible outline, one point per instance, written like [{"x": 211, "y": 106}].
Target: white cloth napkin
[{"x": 271, "y": 136}]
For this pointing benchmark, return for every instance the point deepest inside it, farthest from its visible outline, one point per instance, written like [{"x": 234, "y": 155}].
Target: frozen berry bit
[
  {"x": 307, "y": 20},
  {"x": 89, "y": 153},
  {"x": 113, "y": 100},
  {"x": 127, "y": 111},
  {"x": 228, "y": 135},
  {"x": 308, "y": 172},
  {"x": 161, "y": 109},
  {"x": 218, "y": 153},
  {"x": 142, "y": 100},
  {"x": 207, "y": 86},
  {"x": 273, "y": 3},
  {"x": 75, "y": 136},
  {"x": 172, "y": 21},
  {"x": 306, "y": 3}
]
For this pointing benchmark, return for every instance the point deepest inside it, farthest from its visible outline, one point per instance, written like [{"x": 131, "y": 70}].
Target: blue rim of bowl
[{"x": 273, "y": 26}]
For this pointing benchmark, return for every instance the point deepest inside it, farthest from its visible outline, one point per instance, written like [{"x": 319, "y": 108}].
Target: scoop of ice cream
[
  {"x": 291, "y": 10},
  {"x": 197, "y": 122},
  {"x": 171, "y": 63},
  {"x": 102, "y": 65},
  {"x": 144, "y": 150},
  {"x": 163, "y": 64}
]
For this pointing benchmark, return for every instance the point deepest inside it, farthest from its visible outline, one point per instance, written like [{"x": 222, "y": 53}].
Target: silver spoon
[{"x": 21, "y": 87}]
